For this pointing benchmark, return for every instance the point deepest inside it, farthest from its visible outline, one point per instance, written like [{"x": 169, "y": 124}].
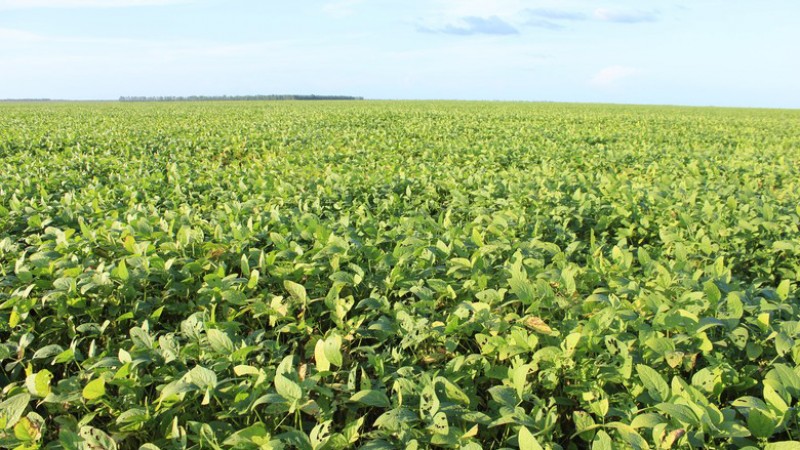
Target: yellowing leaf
[
  {"x": 27, "y": 431},
  {"x": 38, "y": 384},
  {"x": 323, "y": 365},
  {"x": 538, "y": 325}
]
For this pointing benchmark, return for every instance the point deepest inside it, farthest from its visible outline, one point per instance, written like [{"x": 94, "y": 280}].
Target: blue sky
[{"x": 692, "y": 52}]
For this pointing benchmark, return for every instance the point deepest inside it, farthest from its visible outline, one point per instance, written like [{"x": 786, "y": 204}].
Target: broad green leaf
[
  {"x": 647, "y": 420},
  {"x": 783, "y": 445},
  {"x": 371, "y": 398},
  {"x": 332, "y": 348},
  {"x": 219, "y": 341},
  {"x": 527, "y": 441},
  {"x": 122, "y": 271},
  {"x": 202, "y": 378},
  {"x": 602, "y": 441},
  {"x": 783, "y": 289},
  {"x": 632, "y": 438},
  {"x": 97, "y": 439},
  {"x": 760, "y": 424},
  {"x": 774, "y": 399},
  {"x": 681, "y": 413},
  {"x": 12, "y": 409},
  {"x": 94, "y": 389},
  {"x": 440, "y": 424},
  {"x": 250, "y": 435},
  {"x": 287, "y": 388},
  {"x": 655, "y": 384}
]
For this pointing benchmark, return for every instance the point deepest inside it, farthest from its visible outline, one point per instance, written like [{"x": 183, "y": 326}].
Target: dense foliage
[{"x": 398, "y": 275}]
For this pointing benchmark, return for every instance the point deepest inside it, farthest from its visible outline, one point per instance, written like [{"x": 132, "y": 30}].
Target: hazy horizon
[{"x": 703, "y": 53}]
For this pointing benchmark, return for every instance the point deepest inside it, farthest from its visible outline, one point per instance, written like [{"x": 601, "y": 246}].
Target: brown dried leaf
[{"x": 538, "y": 325}]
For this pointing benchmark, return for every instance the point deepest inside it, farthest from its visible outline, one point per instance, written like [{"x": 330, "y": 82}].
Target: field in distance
[{"x": 382, "y": 275}]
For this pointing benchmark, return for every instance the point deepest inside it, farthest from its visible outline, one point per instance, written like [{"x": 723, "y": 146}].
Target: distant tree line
[
  {"x": 205, "y": 98},
  {"x": 25, "y": 100}
]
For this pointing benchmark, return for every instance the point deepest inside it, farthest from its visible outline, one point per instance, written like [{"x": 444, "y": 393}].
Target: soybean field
[{"x": 398, "y": 275}]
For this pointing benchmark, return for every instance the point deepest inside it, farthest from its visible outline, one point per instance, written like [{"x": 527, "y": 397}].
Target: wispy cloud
[
  {"x": 506, "y": 9},
  {"x": 30, "y": 4},
  {"x": 341, "y": 8},
  {"x": 612, "y": 75},
  {"x": 472, "y": 25},
  {"x": 14, "y": 35},
  {"x": 624, "y": 16},
  {"x": 558, "y": 19},
  {"x": 541, "y": 23},
  {"x": 555, "y": 14}
]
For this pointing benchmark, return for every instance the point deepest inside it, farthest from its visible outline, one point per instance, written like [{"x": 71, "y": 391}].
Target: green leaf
[
  {"x": 681, "y": 413},
  {"x": 783, "y": 290},
  {"x": 70, "y": 440},
  {"x": 774, "y": 399},
  {"x": 655, "y": 384},
  {"x": 287, "y": 388},
  {"x": 760, "y": 424},
  {"x": 453, "y": 392},
  {"x": 219, "y": 341},
  {"x": 630, "y": 436},
  {"x": 371, "y": 397},
  {"x": 504, "y": 395},
  {"x": 202, "y": 378},
  {"x": 787, "y": 377},
  {"x": 332, "y": 348},
  {"x": 12, "y": 409},
  {"x": 48, "y": 351},
  {"x": 131, "y": 418},
  {"x": 520, "y": 285},
  {"x": 122, "y": 271},
  {"x": 297, "y": 291},
  {"x": 783, "y": 445},
  {"x": 602, "y": 441},
  {"x": 97, "y": 439},
  {"x": 253, "y": 281},
  {"x": 250, "y": 435},
  {"x": 647, "y": 420},
  {"x": 94, "y": 389},
  {"x": 351, "y": 431},
  {"x": 440, "y": 424},
  {"x": 130, "y": 244},
  {"x": 734, "y": 306},
  {"x": 526, "y": 440},
  {"x": 712, "y": 292}
]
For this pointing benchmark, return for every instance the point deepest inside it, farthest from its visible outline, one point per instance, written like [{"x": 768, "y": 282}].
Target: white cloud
[
  {"x": 29, "y": 4},
  {"x": 611, "y": 75},
  {"x": 461, "y": 8},
  {"x": 624, "y": 16}
]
